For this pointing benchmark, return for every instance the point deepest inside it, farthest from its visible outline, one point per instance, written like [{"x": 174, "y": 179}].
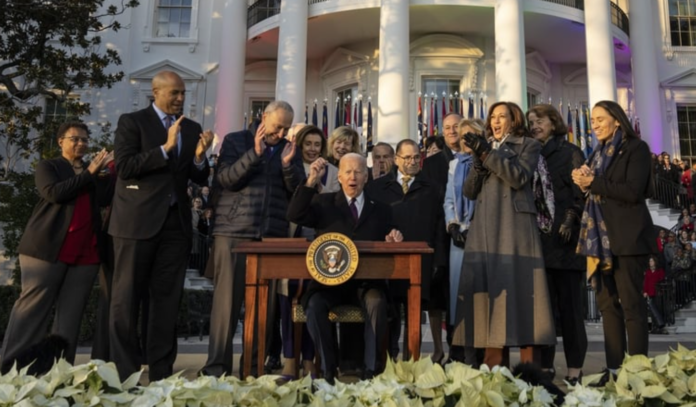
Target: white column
[
  {"x": 229, "y": 107},
  {"x": 392, "y": 100},
  {"x": 291, "y": 76},
  {"x": 646, "y": 83},
  {"x": 510, "y": 60},
  {"x": 599, "y": 45}
]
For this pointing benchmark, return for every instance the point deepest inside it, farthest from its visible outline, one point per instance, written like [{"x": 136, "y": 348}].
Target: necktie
[
  {"x": 168, "y": 121},
  {"x": 354, "y": 209},
  {"x": 404, "y": 183}
]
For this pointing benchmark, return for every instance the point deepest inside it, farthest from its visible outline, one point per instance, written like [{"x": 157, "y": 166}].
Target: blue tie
[{"x": 354, "y": 209}]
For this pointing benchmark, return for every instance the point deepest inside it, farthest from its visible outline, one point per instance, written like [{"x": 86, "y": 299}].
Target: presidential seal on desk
[{"x": 332, "y": 259}]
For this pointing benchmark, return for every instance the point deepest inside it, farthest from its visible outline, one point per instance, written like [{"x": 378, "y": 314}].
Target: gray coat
[{"x": 503, "y": 296}]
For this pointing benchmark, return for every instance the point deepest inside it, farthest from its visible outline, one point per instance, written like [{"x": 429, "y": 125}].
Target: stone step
[
  {"x": 686, "y": 329},
  {"x": 686, "y": 313}
]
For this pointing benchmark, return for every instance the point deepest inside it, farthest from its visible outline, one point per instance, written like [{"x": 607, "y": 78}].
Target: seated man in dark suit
[{"x": 352, "y": 213}]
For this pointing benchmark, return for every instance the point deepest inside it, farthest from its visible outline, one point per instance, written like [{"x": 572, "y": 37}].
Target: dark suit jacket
[
  {"x": 330, "y": 213},
  {"x": 436, "y": 167},
  {"x": 146, "y": 180},
  {"x": 419, "y": 216},
  {"x": 58, "y": 188},
  {"x": 624, "y": 188}
]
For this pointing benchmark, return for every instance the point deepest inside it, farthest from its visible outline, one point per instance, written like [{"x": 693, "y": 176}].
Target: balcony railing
[{"x": 263, "y": 9}]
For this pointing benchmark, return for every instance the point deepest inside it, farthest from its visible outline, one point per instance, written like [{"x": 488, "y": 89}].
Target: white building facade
[{"x": 237, "y": 55}]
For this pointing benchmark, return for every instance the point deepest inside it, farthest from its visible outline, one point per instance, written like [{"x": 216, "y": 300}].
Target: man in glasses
[{"x": 418, "y": 213}]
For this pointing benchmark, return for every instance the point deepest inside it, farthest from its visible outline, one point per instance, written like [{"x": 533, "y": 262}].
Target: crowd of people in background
[{"x": 519, "y": 220}]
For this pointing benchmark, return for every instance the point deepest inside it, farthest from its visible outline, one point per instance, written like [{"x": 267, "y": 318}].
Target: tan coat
[{"x": 503, "y": 296}]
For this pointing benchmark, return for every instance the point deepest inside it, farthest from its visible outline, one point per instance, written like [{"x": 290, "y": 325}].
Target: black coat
[
  {"x": 146, "y": 179},
  {"x": 58, "y": 188},
  {"x": 253, "y": 191},
  {"x": 330, "y": 213},
  {"x": 436, "y": 168},
  {"x": 562, "y": 158},
  {"x": 624, "y": 188},
  {"x": 419, "y": 216}
]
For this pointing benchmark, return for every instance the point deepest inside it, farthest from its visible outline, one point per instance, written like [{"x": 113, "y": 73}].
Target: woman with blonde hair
[
  {"x": 459, "y": 210},
  {"x": 343, "y": 140}
]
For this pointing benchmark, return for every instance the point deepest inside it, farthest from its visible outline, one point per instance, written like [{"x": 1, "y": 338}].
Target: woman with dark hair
[
  {"x": 434, "y": 145},
  {"x": 503, "y": 299},
  {"x": 59, "y": 253},
  {"x": 312, "y": 143},
  {"x": 564, "y": 268},
  {"x": 617, "y": 233}
]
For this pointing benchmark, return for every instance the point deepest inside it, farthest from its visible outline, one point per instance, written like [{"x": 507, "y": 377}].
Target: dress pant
[
  {"x": 228, "y": 297},
  {"x": 620, "y": 300},
  {"x": 374, "y": 303},
  {"x": 152, "y": 268},
  {"x": 45, "y": 285},
  {"x": 567, "y": 288}
]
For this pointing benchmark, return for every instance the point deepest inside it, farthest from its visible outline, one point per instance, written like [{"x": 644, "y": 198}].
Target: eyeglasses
[
  {"x": 414, "y": 158},
  {"x": 75, "y": 140}
]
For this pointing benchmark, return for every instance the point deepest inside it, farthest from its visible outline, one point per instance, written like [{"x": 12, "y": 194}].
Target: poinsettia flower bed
[{"x": 666, "y": 380}]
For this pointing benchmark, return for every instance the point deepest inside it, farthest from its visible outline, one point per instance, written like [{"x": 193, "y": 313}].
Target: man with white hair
[
  {"x": 352, "y": 213},
  {"x": 258, "y": 169}
]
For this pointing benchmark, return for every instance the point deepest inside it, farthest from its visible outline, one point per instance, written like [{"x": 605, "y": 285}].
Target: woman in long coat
[{"x": 504, "y": 299}]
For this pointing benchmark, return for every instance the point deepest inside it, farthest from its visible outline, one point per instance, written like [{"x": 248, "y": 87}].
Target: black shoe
[
  {"x": 572, "y": 381},
  {"x": 368, "y": 374},
  {"x": 606, "y": 375},
  {"x": 330, "y": 377},
  {"x": 272, "y": 363}
]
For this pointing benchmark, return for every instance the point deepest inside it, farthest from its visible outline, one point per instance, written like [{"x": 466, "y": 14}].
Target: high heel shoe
[{"x": 572, "y": 381}]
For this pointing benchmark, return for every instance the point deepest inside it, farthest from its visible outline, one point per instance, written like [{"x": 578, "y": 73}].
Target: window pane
[
  {"x": 175, "y": 2},
  {"x": 175, "y": 15},
  {"x": 673, "y": 7},
  {"x": 682, "y": 8},
  {"x": 681, "y": 114},
  {"x": 163, "y": 15},
  {"x": 692, "y": 116},
  {"x": 186, "y": 3},
  {"x": 184, "y": 30},
  {"x": 165, "y": 2},
  {"x": 685, "y": 39},
  {"x": 185, "y": 15},
  {"x": 163, "y": 29},
  {"x": 692, "y": 7},
  {"x": 684, "y": 147},
  {"x": 675, "y": 39}
]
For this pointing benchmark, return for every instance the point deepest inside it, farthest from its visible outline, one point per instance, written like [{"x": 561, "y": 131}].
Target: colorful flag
[
  {"x": 431, "y": 119},
  {"x": 471, "y": 108},
  {"x": 315, "y": 120},
  {"x": 346, "y": 117},
  {"x": 325, "y": 120},
  {"x": 369, "y": 124},
  {"x": 482, "y": 114},
  {"x": 436, "y": 122},
  {"x": 421, "y": 135},
  {"x": 456, "y": 105},
  {"x": 451, "y": 105},
  {"x": 337, "y": 118},
  {"x": 461, "y": 106},
  {"x": 306, "y": 108},
  {"x": 580, "y": 125},
  {"x": 636, "y": 126},
  {"x": 571, "y": 139},
  {"x": 444, "y": 113},
  {"x": 359, "y": 119},
  {"x": 588, "y": 130},
  {"x": 245, "y": 121},
  {"x": 355, "y": 116}
]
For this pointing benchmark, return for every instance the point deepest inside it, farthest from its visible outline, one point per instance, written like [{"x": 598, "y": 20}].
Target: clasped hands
[
  {"x": 204, "y": 143},
  {"x": 583, "y": 177},
  {"x": 286, "y": 155}
]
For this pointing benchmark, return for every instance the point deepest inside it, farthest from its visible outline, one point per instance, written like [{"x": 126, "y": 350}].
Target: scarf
[
  {"x": 463, "y": 206},
  {"x": 594, "y": 239},
  {"x": 543, "y": 196}
]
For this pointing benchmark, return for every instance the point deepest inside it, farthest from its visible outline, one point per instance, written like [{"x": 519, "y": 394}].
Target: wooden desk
[{"x": 285, "y": 258}]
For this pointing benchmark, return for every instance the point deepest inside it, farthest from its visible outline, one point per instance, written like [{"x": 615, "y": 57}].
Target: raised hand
[
  {"x": 316, "y": 172},
  {"x": 288, "y": 153},
  {"x": 259, "y": 140},
  {"x": 173, "y": 135},
  {"x": 204, "y": 144},
  {"x": 99, "y": 161},
  {"x": 477, "y": 144}
]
